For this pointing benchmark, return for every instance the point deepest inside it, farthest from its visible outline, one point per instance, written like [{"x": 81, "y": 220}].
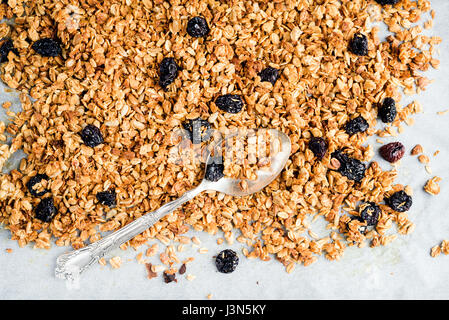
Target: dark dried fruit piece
[
  {"x": 231, "y": 103},
  {"x": 214, "y": 171},
  {"x": 356, "y": 125},
  {"x": 359, "y": 44},
  {"x": 226, "y": 261},
  {"x": 169, "y": 277},
  {"x": 45, "y": 210},
  {"x": 198, "y": 130},
  {"x": 47, "y": 47},
  {"x": 35, "y": 180},
  {"x": 392, "y": 152},
  {"x": 197, "y": 27},
  {"x": 370, "y": 212},
  {"x": 108, "y": 198},
  {"x": 351, "y": 168},
  {"x": 7, "y": 47},
  {"x": 269, "y": 74},
  {"x": 318, "y": 146},
  {"x": 384, "y": 2},
  {"x": 91, "y": 136},
  {"x": 168, "y": 71},
  {"x": 183, "y": 269},
  {"x": 387, "y": 111},
  {"x": 399, "y": 201}
]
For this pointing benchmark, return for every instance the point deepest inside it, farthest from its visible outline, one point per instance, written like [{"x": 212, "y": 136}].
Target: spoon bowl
[{"x": 232, "y": 187}]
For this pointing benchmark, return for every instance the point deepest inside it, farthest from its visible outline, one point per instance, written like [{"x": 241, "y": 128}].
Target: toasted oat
[
  {"x": 190, "y": 277},
  {"x": 116, "y": 262},
  {"x": 423, "y": 159},
  {"x": 418, "y": 149},
  {"x": 432, "y": 186},
  {"x": 435, "y": 251},
  {"x": 8, "y": 250}
]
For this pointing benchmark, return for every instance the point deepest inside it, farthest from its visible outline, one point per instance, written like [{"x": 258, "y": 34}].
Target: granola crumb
[
  {"x": 8, "y": 250},
  {"x": 190, "y": 277},
  {"x": 441, "y": 113},
  {"x": 432, "y": 186},
  {"x": 150, "y": 272},
  {"x": 115, "y": 262},
  {"x": 423, "y": 159},
  {"x": 209, "y": 296},
  {"x": 418, "y": 149},
  {"x": 102, "y": 261}
]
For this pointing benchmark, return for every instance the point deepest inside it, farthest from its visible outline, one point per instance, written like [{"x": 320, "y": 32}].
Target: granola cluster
[{"x": 107, "y": 76}]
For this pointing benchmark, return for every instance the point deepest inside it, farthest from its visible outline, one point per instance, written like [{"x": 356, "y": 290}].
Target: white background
[{"x": 402, "y": 270}]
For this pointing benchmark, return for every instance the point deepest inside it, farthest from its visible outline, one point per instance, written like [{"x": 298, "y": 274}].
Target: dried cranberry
[
  {"x": 399, "y": 201},
  {"x": 198, "y": 130},
  {"x": 370, "y": 212},
  {"x": 169, "y": 277},
  {"x": 47, "y": 47},
  {"x": 387, "y": 111},
  {"x": 384, "y": 2},
  {"x": 91, "y": 136},
  {"x": 214, "y": 171},
  {"x": 318, "y": 146},
  {"x": 232, "y": 103},
  {"x": 168, "y": 71},
  {"x": 226, "y": 261},
  {"x": 108, "y": 198},
  {"x": 35, "y": 180},
  {"x": 45, "y": 210},
  {"x": 392, "y": 152},
  {"x": 351, "y": 168},
  {"x": 7, "y": 47},
  {"x": 359, "y": 45},
  {"x": 197, "y": 27},
  {"x": 269, "y": 74},
  {"x": 356, "y": 125}
]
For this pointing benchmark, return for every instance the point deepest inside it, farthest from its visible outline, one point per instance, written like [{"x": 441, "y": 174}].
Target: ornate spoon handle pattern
[{"x": 70, "y": 265}]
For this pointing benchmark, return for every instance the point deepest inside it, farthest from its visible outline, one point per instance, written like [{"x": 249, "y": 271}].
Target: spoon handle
[{"x": 71, "y": 264}]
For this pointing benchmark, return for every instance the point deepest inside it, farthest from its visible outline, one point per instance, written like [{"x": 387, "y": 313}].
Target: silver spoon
[{"x": 70, "y": 265}]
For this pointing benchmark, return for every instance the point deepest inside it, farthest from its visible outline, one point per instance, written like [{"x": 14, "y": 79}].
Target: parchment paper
[{"x": 401, "y": 270}]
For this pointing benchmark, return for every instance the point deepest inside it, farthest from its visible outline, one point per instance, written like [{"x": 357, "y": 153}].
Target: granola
[{"x": 107, "y": 76}]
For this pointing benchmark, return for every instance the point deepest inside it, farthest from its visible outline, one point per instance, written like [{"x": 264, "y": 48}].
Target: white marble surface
[{"x": 402, "y": 270}]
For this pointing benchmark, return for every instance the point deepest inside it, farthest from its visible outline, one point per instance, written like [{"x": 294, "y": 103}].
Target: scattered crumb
[
  {"x": 8, "y": 250},
  {"x": 416, "y": 150},
  {"x": 440, "y": 113},
  {"x": 151, "y": 251},
  {"x": 209, "y": 296},
  {"x": 423, "y": 159},
  {"x": 442, "y": 248},
  {"x": 139, "y": 258},
  {"x": 6, "y": 104},
  {"x": 428, "y": 169},
  {"x": 436, "y": 153},
  {"x": 190, "y": 277},
  {"x": 220, "y": 240},
  {"x": 102, "y": 261},
  {"x": 116, "y": 262},
  {"x": 432, "y": 186},
  {"x": 203, "y": 250},
  {"x": 150, "y": 273},
  {"x": 195, "y": 240}
]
